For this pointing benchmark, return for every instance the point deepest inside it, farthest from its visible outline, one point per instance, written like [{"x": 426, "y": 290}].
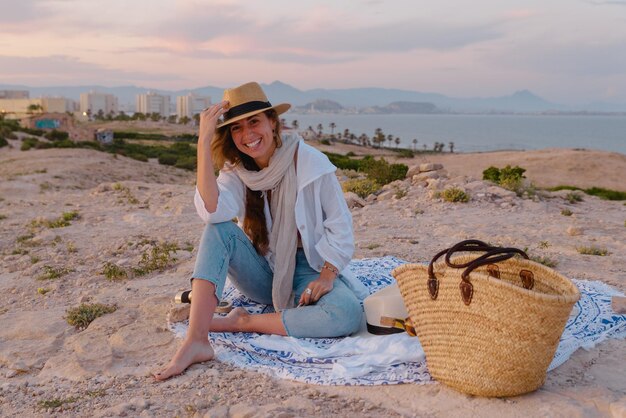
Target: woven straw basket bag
[{"x": 489, "y": 324}]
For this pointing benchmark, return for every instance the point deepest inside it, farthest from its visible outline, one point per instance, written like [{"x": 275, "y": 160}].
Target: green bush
[
  {"x": 325, "y": 142},
  {"x": 3, "y": 142},
  {"x": 492, "y": 174},
  {"x": 600, "y": 192},
  {"x": 510, "y": 178},
  {"x": 138, "y": 135},
  {"x": 167, "y": 159},
  {"x": 593, "y": 250},
  {"x": 362, "y": 187},
  {"x": 36, "y": 132},
  {"x": 51, "y": 273},
  {"x": 138, "y": 157},
  {"x": 55, "y": 135},
  {"x": 63, "y": 143},
  {"x": 606, "y": 194},
  {"x": 378, "y": 170},
  {"x": 343, "y": 161},
  {"x": 454, "y": 194},
  {"x": 187, "y": 162},
  {"x": 381, "y": 171},
  {"x": 113, "y": 272},
  {"x": 83, "y": 315},
  {"x": 404, "y": 153},
  {"x": 28, "y": 143},
  {"x": 508, "y": 174},
  {"x": 573, "y": 197},
  {"x": 157, "y": 258}
]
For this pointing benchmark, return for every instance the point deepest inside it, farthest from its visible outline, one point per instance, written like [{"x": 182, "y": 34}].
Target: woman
[{"x": 295, "y": 235}]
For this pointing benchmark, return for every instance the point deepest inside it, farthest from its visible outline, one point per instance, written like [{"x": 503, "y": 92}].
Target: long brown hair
[{"x": 223, "y": 149}]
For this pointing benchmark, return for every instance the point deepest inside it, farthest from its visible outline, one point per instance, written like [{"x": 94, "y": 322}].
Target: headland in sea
[{"x": 119, "y": 209}]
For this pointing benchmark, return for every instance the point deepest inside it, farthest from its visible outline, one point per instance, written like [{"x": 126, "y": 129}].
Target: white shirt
[{"x": 322, "y": 215}]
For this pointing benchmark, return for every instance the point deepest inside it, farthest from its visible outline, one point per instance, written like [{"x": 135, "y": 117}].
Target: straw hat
[{"x": 247, "y": 100}]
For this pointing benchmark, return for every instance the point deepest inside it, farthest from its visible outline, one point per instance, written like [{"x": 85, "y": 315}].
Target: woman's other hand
[{"x": 208, "y": 120}]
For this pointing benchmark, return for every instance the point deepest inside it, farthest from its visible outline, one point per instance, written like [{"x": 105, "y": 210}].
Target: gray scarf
[{"x": 279, "y": 177}]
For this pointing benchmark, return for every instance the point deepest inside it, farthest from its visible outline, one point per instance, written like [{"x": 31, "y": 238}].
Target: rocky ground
[{"x": 139, "y": 217}]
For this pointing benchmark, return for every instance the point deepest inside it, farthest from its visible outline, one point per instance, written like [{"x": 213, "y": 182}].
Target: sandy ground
[{"x": 126, "y": 208}]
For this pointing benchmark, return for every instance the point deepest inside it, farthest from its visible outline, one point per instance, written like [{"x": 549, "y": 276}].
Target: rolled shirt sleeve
[
  {"x": 230, "y": 202},
  {"x": 336, "y": 245}
]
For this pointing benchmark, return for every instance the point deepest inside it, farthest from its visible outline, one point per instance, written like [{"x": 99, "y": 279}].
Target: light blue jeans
[{"x": 226, "y": 250}]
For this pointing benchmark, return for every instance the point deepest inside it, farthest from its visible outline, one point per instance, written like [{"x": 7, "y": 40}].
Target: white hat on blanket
[{"x": 385, "y": 312}]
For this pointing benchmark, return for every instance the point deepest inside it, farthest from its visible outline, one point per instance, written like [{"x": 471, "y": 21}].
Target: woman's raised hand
[{"x": 208, "y": 120}]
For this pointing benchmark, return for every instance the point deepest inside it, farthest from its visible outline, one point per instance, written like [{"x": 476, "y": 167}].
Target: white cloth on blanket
[{"x": 353, "y": 356}]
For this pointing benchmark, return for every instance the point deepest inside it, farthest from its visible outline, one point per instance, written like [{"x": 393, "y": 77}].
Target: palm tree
[
  {"x": 414, "y": 143},
  {"x": 32, "y": 108},
  {"x": 320, "y": 129},
  {"x": 451, "y": 145},
  {"x": 332, "y": 126},
  {"x": 397, "y": 141},
  {"x": 390, "y": 139},
  {"x": 294, "y": 124},
  {"x": 379, "y": 136}
]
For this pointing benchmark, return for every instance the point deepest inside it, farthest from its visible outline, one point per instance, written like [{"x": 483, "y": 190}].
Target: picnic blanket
[{"x": 365, "y": 359}]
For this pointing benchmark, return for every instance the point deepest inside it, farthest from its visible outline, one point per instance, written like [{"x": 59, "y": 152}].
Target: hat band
[{"x": 244, "y": 108}]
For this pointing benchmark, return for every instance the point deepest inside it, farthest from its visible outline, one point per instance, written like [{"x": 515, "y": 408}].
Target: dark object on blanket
[
  {"x": 185, "y": 297},
  {"x": 489, "y": 323}
]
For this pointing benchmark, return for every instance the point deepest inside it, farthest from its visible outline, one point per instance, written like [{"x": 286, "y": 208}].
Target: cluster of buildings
[{"x": 18, "y": 104}]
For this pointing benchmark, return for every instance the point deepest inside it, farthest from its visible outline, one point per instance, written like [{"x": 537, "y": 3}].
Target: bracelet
[{"x": 331, "y": 268}]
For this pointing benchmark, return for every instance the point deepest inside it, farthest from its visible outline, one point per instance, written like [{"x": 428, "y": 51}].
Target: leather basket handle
[
  {"x": 491, "y": 256},
  {"x": 467, "y": 245}
]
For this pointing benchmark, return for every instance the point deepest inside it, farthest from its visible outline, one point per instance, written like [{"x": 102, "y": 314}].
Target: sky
[{"x": 566, "y": 51}]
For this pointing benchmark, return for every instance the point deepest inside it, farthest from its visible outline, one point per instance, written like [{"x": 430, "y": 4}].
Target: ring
[{"x": 308, "y": 291}]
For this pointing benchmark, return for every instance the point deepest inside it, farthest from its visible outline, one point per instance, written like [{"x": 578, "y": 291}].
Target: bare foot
[
  {"x": 233, "y": 322},
  {"x": 189, "y": 353}
]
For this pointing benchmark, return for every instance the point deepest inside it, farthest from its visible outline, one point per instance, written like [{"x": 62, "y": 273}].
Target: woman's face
[{"x": 254, "y": 136}]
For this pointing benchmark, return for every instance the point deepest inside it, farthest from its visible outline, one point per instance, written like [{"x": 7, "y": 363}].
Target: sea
[{"x": 480, "y": 133}]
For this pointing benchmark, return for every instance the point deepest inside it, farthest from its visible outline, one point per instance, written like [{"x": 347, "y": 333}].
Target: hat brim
[{"x": 279, "y": 108}]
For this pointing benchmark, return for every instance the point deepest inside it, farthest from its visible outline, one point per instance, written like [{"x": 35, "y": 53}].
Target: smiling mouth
[{"x": 253, "y": 144}]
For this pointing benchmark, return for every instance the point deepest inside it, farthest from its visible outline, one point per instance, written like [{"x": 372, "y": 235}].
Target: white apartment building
[
  {"x": 21, "y": 106},
  {"x": 94, "y": 102},
  {"x": 191, "y": 104},
  {"x": 153, "y": 103}
]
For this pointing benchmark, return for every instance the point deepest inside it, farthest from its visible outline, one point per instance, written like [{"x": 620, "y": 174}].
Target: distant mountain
[
  {"x": 522, "y": 101},
  {"x": 320, "y": 106}
]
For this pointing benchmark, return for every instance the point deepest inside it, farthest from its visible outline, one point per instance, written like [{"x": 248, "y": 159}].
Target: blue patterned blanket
[{"x": 380, "y": 360}]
